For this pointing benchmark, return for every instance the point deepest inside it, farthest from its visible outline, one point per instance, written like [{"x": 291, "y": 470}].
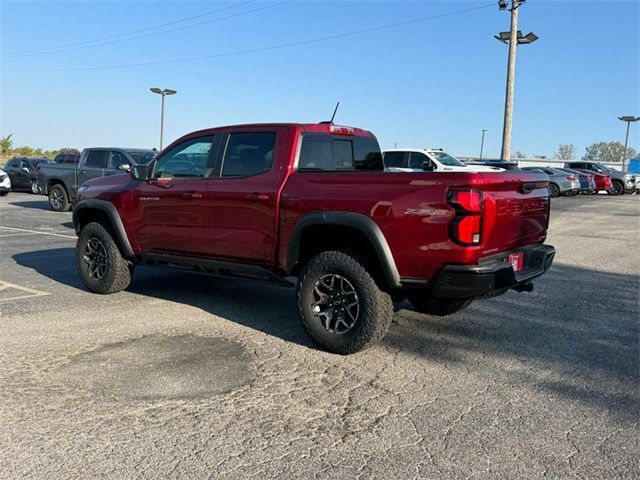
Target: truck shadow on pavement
[
  {"x": 37, "y": 204},
  {"x": 575, "y": 337}
]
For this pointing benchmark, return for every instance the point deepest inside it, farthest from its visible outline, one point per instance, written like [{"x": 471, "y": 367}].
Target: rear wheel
[
  {"x": 58, "y": 199},
  {"x": 100, "y": 263},
  {"x": 34, "y": 188},
  {"x": 554, "y": 190},
  {"x": 340, "y": 305},
  {"x": 441, "y": 307},
  {"x": 616, "y": 189}
]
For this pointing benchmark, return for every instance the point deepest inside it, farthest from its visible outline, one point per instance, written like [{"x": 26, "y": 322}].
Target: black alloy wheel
[{"x": 335, "y": 303}]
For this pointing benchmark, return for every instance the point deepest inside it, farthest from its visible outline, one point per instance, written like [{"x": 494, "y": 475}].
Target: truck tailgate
[{"x": 516, "y": 209}]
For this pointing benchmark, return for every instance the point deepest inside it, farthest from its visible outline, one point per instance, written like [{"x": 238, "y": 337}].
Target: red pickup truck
[{"x": 312, "y": 201}]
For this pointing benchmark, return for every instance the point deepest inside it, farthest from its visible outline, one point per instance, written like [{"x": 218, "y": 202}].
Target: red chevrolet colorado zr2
[{"x": 312, "y": 201}]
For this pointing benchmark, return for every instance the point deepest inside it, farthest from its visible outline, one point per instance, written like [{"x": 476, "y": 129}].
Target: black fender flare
[
  {"x": 358, "y": 221},
  {"x": 114, "y": 218}
]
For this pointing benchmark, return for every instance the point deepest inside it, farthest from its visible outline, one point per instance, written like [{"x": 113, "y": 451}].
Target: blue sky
[{"x": 435, "y": 82}]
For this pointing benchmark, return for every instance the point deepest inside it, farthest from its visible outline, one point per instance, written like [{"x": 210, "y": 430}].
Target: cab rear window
[{"x": 332, "y": 153}]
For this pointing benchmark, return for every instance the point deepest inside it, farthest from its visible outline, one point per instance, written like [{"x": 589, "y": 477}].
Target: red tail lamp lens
[
  {"x": 467, "y": 229},
  {"x": 468, "y": 200}
]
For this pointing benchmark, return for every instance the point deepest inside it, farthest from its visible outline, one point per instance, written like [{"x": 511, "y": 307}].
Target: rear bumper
[{"x": 493, "y": 275}]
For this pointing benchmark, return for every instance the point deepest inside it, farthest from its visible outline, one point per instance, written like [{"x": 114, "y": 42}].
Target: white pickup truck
[{"x": 428, "y": 160}]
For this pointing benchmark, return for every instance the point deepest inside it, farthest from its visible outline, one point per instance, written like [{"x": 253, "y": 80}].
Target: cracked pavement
[{"x": 187, "y": 376}]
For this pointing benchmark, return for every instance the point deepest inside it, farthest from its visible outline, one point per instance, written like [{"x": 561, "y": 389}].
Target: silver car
[{"x": 560, "y": 182}]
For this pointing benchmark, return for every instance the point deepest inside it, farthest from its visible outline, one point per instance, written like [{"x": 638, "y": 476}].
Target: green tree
[
  {"x": 5, "y": 144},
  {"x": 607, "y": 152},
  {"x": 566, "y": 151},
  {"x": 24, "y": 151}
]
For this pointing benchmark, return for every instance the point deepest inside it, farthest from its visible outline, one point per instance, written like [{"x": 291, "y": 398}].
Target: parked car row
[{"x": 575, "y": 177}]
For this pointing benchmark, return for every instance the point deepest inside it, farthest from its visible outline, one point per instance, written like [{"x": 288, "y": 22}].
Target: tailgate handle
[{"x": 528, "y": 187}]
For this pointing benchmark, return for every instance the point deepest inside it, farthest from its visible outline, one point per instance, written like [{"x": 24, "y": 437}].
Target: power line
[
  {"x": 258, "y": 49},
  {"x": 90, "y": 43}
]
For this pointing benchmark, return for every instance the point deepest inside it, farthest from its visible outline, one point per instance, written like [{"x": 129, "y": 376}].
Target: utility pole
[
  {"x": 628, "y": 119},
  {"x": 513, "y": 38},
  {"x": 482, "y": 142}
]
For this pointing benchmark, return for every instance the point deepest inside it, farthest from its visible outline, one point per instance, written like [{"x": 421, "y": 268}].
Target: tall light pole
[
  {"x": 163, "y": 92},
  {"x": 513, "y": 38},
  {"x": 628, "y": 119},
  {"x": 482, "y": 142}
]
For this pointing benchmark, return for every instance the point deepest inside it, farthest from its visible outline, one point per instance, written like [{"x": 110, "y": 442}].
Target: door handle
[
  {"x": 257, "y": 197},
  {"x": 82, "y": 172},
  {"x": 192, "y": 195}
]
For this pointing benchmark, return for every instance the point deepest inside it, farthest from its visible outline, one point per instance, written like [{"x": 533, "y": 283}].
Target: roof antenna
[
  {"x": 330, "y": 122},
  {"x": 335, "y": 110}
]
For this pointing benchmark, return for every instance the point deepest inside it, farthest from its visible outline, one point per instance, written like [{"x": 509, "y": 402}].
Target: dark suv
[{"x": 23, "y": 172}]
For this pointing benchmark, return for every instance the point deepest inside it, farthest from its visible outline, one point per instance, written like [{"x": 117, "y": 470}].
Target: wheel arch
[
  {"x": 91, "y": 210},
  {"x": 321, "y": 231}
]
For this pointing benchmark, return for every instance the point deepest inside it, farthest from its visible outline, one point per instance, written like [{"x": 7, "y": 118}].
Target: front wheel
[
  {"x": 100, "y": 263},
  {"x": 58, "y": 199},
  {"x": 441, "y": 307},
  {"x": 340, "y": 305}
]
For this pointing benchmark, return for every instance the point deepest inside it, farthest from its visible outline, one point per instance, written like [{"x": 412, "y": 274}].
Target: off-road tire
[
  {"x": 117, "y": 273},
  {"x": 440, "y": 307},
  {"x": 58, "y": 199},
  {"x": 554, "y": 190},
  {"x": 375, "y": 308}
]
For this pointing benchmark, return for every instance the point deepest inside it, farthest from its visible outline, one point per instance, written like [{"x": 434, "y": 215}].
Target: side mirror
[
  {"x": 126, "y": 167},
  {"x": 427, "y": 166},
  {"x": 140, "y": 172}
]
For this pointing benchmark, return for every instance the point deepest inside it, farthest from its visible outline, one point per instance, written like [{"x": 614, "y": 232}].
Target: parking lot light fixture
[
  {"x": 629, "y": 119},
  {"x": 163, "y": 93},
  {"x": 512, "y": 38}
]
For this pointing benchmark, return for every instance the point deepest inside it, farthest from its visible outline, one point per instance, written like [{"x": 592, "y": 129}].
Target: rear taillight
[
  {"x": 571, "y": 178},
  {"x": 466, "y": 228}
]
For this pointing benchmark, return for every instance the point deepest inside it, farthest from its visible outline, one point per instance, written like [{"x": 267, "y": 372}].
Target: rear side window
[
  {"x": 96, "y": 159},
  {"x": 327, "y": 153},
  {"x": 248, "y": 154},
  {"x": 394, "y": 160}
]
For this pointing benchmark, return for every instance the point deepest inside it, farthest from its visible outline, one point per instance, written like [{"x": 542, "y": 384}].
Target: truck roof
[
  {"x": 420, "y": 150},
  {"x": 328, "y": 128}
]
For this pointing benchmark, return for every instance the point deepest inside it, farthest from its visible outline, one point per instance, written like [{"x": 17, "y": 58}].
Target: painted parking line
[
  {"x": 38, "y": 232},
  {"x": 17, "y": 292}
]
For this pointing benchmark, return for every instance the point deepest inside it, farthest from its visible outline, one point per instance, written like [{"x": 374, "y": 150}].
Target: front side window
[
  {"x": 97, "y": 159},
  {"x": 142, "y": 158},
  {"x": 189, "y": 159},
  {"x": 417, "y": 160},
  {"x": 116, "y": 159},
  {"x": 248, "y": 154},
  {"x": 446, "y": 159}
]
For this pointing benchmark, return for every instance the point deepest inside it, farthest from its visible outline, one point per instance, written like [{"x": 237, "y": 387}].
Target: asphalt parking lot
[{"x": 197, "y": 377}]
